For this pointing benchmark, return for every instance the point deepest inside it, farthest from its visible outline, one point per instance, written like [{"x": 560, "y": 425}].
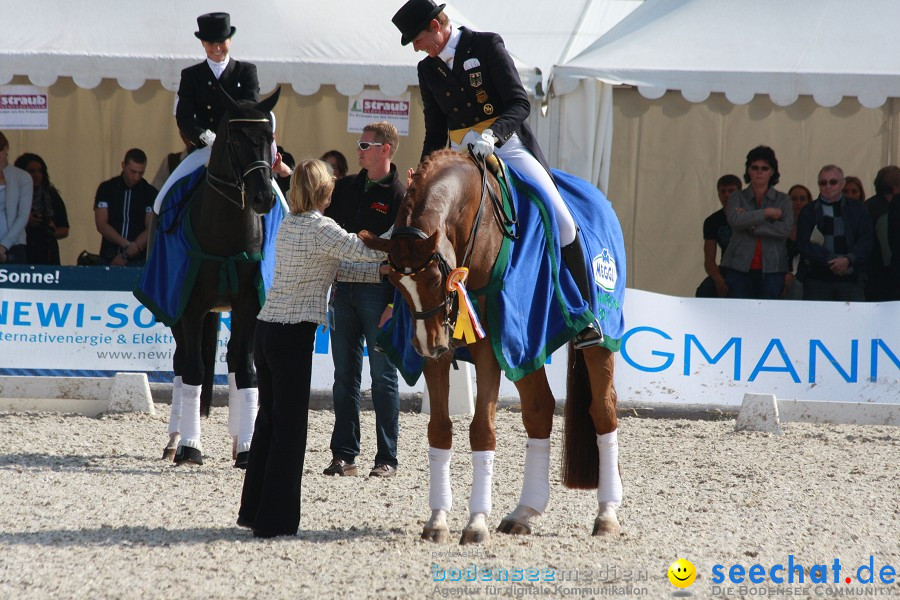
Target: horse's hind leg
[
  {"x": 190, "y": 449},
  {"x": 537, "y": 416},
  {"x": 600, "y": 366},
  {"x": 175, "y": 412}
]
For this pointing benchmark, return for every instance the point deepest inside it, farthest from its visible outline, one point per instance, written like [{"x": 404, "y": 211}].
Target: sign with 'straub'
[
  {"x": 371, "y": 106},
  {"x": 23, "y": 107}
]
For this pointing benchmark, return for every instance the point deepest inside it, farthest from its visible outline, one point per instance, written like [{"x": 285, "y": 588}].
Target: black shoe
[
  {"x": 244, "y": 522},
  {"x": 341, "y": 467}
]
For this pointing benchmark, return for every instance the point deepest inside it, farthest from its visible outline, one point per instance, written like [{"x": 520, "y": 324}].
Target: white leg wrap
[
  {"x": 536, "y": 483},
  {"x": 234, "y": 401},
  {"x": 482, "y": 474},
  {"x": 175, "y": 415},
  {"x": 249, "y": 406},
  {"x": 609, "y": 489},
  {"x": 439, "y": 495},
  {"x": 190, "y": 416}
]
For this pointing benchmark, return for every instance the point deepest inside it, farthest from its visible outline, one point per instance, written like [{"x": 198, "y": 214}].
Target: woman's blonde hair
[{"x": 311, "y": 186}]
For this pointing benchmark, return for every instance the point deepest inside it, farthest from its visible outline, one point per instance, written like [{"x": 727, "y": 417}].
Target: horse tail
[
  {"x": 209, "y": 338},
  {"x": 581, "y": 460}
]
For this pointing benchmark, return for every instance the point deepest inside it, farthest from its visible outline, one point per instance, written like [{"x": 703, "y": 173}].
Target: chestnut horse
[{"x": 440, "y": 227}]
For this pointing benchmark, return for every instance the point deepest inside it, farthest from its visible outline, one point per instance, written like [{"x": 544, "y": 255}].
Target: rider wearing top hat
[
  {"x": 199, "y": 107},
  {"x": 472, "y": 94}
]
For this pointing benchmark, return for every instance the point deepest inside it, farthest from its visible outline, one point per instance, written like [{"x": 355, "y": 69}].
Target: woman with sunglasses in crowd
[{"x": 761, "y": 218}]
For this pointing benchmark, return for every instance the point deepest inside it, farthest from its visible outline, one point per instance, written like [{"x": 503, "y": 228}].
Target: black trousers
[{"x": 283, "y": 357}]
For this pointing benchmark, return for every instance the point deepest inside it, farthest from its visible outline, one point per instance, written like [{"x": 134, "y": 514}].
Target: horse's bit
[{"x": 238, "y": 182}]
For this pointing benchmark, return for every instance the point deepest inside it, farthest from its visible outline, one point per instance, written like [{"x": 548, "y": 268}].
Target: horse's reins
[{"x": 238, "y": 182}]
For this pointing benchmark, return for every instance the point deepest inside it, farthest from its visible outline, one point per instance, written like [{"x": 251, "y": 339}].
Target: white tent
[{"x": 827, "y": 49}]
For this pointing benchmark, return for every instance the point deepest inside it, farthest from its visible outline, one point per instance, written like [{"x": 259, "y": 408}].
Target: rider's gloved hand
[
  {"x": 208, "y": 137},
  {"x": 485, "y": 145}
]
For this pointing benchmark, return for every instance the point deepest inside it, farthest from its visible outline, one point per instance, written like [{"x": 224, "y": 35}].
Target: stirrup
[{"x": 588, "y": 337}]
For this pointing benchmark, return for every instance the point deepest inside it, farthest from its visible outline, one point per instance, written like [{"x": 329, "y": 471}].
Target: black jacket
[
  {"x": 355, "y": 209},
  {"x": 199, "y": 106},
  {"x": 483, "y": 84},
  {"x": 858, "y": 231}
]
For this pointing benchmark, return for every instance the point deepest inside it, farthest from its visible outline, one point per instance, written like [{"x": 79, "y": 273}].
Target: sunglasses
[
  {"x": 366, "y": 145},
  {"x": 762, "y": 168},
  {"x": 824, "y": 182}
]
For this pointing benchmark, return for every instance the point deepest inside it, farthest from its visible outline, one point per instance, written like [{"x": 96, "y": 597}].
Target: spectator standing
[
  {"x": 49, "y": 221},
  {"x": 338, "y": 163},
  {"x": 15, "y": 208},
  {"x": 368, "y": 200},
  {"x": 835, "y": 239},
  {"x": 309, "y": 251},
  {"x": 878, "y": 286},
  {"x": 793, "y": 288},
  {"x": 755, "y": 262},
  {"x": 716, "y": 234},
  {"x": 123, "y": 208}
]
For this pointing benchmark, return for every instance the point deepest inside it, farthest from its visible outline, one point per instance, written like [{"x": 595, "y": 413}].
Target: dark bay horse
[
  {"x": 435, "y": 232},
  {"x": 225, "y": 221}
]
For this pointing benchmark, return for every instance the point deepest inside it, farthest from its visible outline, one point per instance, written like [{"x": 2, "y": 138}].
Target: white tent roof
[
  {"x": 784, "y": 48},
  {"x": 348, "y": 43}
]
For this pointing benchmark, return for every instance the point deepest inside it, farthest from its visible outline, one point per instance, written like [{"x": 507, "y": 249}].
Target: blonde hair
[{"x": 311, "y": 186}]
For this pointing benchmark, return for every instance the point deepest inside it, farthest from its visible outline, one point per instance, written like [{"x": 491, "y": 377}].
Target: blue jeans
[
  {"x": 753, "y": 284},
  {"x": 357, "y": 310}
]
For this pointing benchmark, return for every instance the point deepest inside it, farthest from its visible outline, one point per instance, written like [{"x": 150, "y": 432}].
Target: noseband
[
  {"x": 443, "y": 267},
  {"x": 236, "y": 170}
]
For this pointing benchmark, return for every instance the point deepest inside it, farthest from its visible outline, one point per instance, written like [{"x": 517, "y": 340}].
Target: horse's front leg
[
  {"x": 600, "y": 366},
  {"x": 242, "y": 412},
  {"x": 483, "y": 442},
  {"x": 190, "y": 449},
  {"x": 537, "y": 416},
  {"x": 440, "y": 438}
]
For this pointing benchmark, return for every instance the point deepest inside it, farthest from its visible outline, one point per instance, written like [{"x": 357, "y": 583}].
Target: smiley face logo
[{"x": 682, "y": 573}]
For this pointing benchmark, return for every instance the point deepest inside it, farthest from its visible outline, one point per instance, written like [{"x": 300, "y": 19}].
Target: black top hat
[
  {"x": 413, "y": 17},
  {"x": 214, "y": 27}
]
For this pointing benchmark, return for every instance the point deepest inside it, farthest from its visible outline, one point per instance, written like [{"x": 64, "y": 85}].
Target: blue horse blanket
[
  {"x": 533, "y": 306},
  {"x": 171, "y": 269}
]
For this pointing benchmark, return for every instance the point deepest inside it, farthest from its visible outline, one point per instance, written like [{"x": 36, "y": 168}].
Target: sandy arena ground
[{"x": 87, "y": 510}]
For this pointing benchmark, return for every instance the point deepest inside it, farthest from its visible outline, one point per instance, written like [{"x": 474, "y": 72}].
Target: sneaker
[
  {"x": 383, "y": 471},
  {"x": 588, "y": 337},
  {"x": 341, "y": 467}
]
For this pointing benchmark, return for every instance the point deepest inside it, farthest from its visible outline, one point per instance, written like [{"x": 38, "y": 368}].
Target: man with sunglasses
[
  {"x": 368, "y": 200},
  {"x": 835, "y": 237},
  {"x": 472, "y": 95}
]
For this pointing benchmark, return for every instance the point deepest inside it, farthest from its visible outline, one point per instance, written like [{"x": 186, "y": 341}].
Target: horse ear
[
  {"x": 373, "y": 241},
  {"x": 230, "y": 104},
  {"x": 269, "y": 103}
]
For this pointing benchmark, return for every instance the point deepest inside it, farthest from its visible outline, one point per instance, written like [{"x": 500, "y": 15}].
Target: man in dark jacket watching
[{"x": 368, "y": 200}]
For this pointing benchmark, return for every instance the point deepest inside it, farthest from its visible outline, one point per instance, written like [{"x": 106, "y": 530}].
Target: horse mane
[{"x": 418, "y": 187}]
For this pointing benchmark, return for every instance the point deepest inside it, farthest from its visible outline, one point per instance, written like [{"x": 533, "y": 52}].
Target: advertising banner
[
  {"x": 85, "y": 321},
  {"x": 372, "y": 105},
  {"x": 23, "y": 107}
]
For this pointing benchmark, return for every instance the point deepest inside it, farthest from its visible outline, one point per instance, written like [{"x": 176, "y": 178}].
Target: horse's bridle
[
  {"x": 450, "y": 303},
  {"x": 443, "y": 267},
  {"x": 238, "y": 182}
]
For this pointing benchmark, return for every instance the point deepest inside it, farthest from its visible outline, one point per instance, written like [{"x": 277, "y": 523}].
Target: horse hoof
[
  {"x": 240, "y": 461},
  {"x": 438, "y": 535},
  {"x": 606, "y": 525},
  {"x": 474, "y": 536},
  {"x": 186, "y": 454},
  {"x": 168, "y": 454},
  {"x": 513, "y": 527}
]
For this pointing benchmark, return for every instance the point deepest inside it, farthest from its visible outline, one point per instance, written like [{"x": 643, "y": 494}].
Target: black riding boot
[{"x": 573, "y": 255}]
